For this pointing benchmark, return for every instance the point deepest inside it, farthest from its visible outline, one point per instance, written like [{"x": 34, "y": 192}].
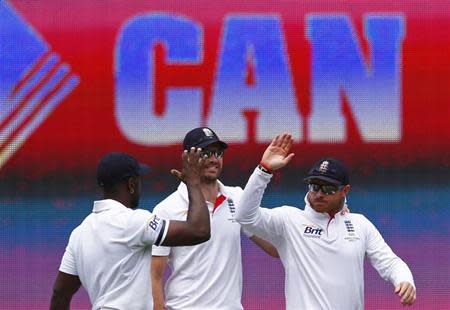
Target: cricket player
[
  {"x": 109, "y": 253},
  {"x": 208, "y": 275},
  {"x": 322, "y": 249}
]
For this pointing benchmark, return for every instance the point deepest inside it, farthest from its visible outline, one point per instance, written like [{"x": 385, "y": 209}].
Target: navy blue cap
[
  {"x": 202, "y": 137},
  {"x": 329, "y": 170},
  {"x": 116, "y": 167}
]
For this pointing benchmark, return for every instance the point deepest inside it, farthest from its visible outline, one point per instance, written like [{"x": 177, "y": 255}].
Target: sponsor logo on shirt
[
  {"x": 154, "y": 222},
  {"x": 312, "y": 232}
]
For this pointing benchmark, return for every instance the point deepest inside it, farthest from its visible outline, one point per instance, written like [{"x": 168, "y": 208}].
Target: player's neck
[{"x": 210, "y": 190}]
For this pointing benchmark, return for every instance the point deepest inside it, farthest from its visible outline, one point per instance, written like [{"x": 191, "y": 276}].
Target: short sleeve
[
  {"x": 145, "y": 228},
  {"x": 68, "y": 262},
  {"x": 162, "y": 210}
]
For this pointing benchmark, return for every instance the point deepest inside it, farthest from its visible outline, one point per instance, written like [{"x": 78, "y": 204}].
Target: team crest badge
[
  {"x": 324, "y": 166},
  {"x": 208, "y": 132}
]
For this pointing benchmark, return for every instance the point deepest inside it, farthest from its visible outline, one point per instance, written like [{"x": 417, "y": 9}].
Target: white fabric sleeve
[
  {"x": 145, "y": 228},
  {"x": 246, "y": 232},
  {"x": 68, "y": 262},
  {"x": 383, "y": 259},
  {"x": 262, "y": 222},
  {"x": 161, "y": 250}
]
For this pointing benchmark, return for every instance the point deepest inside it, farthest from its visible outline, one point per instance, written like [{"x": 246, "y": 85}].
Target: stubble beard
[{"x": 331, "y": 206}]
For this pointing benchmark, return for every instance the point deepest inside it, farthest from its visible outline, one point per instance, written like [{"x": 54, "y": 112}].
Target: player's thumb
[
  {"x": 397, "y": 289},
  {"x": 176, "y": 173},
  {"x": 288, "y": 158}
]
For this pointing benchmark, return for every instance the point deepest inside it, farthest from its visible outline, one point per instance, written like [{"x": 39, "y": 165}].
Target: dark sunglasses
[
  {"x": 208, "y": 153},
  {"x": 328, "y": 189}
]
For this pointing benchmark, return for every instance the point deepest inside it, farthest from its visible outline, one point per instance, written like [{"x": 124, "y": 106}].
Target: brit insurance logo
[
  {"x": 33, "y": 81},
  {"x": 312, "y": 231}
]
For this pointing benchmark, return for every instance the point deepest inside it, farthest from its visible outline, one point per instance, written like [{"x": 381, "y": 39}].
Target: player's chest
[
  {"x": 223, "y": 213},
  {"x": 343, "y": 236}
]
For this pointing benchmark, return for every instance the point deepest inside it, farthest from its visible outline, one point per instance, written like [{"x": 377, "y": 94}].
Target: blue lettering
[
  {"x": 154, "y": 223},
  {"x": 313, "y": 231},
  {"x": 135, "y": 79},
  {"x": 373, "y": 90},
  {"x": 257, "y": 39}
]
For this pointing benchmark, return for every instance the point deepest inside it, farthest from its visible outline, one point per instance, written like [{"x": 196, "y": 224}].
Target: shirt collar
[{"x": 106, "y": 204}]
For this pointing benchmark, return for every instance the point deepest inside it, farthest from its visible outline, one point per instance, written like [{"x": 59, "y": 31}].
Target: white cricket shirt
[
  {"x": 110, "y": 251},
  {"x": 208, "y": 275},
  {"x": 323, "y": 257}
]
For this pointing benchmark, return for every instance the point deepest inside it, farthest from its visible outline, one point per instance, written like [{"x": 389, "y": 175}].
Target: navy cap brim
[
  {"x": 212, "y": 141},
  {"x": 323, "y": 178}
]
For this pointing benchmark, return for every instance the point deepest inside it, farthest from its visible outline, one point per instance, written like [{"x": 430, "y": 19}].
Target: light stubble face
[
  {"x": 328, "y": 203},
  {"x": 213, "y": 167}
]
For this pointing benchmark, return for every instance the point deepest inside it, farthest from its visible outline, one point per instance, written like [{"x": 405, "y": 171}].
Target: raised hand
[
  {"x": 406, "y": 292},
  {"x": 277, "y": 153},
  {"x": 192, "y": 165}
]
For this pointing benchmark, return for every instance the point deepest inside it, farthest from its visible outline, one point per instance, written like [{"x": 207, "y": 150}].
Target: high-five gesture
[
  {"x": 192, "y": 165},
  {"x": 277, "y": 153}
]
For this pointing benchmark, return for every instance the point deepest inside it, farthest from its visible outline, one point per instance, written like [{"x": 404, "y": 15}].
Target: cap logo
[
  {"x": 208, "y": 132},
  {"x": 324, "y": 166}
]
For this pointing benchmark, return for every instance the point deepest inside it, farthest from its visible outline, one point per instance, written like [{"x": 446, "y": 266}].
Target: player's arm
[
  {"x": 389, "y": 265},
  {"x": 158, "y": 267},
  {"x": 265, "y": 246},
  {"x": 196, "y": 228},
  {"x": 260, "y": 221},
  {"x": 66, "y": 285}
]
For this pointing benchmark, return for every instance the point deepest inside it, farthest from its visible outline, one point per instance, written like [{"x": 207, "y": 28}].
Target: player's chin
[
  {"x": 212, "y": 173},
  {"x": 211, "y": 176},
  {"x": 320, "y": 206}
]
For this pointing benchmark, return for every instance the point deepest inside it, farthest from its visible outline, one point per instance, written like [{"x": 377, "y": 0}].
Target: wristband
[{"x": 263, "y": 167}]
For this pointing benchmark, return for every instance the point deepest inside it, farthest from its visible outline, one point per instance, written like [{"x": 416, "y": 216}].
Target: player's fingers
[
  {"x": 192, "y": 154},
  {"x": 403, "y": 289},
  {"x": 184, "y": 158},
  {"x": 407, "y": 293},
  {"x": 201, "y": 159},
  {"x": 284, "y": 140},
  {"x": 397, "y": 289},
  {"x": 276, "y": 140},
  {"x": 409, "y": 296},
  {"x": 289, "y": 143}
]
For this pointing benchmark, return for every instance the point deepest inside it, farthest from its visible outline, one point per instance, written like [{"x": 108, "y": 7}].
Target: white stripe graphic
[
  {"x": 31, "y": 104},
  {"x": 37, "y": 119}
]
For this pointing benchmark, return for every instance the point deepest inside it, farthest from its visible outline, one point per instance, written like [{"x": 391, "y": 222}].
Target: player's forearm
[
  {"x": 158, "y": 294},
  {"x": 59, "y": 302},
  {"x": 198, "y": 214},
  {"x": 265, "y": 246},
  {"x": 248, "y": 211},
  {"x": 400, "y": 272}
]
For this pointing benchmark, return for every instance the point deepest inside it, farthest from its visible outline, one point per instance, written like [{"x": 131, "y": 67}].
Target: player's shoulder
[
  {"x": 173, "y": 206},
  {"x": 170, "y": 201},
  {"x": 358, "y": 218},
  {"x": 287, "y": 211},
  {"x": 234, "y": 191},
  {"x": 135, "y": 217}
]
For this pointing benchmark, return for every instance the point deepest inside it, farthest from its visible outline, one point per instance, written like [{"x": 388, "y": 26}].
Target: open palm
[{"x": 277, "y": 153}]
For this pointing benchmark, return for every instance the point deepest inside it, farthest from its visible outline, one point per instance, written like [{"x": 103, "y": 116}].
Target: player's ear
[
  {"x": 131, "y": 184},
  {"x": 346, "y": 189}
]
